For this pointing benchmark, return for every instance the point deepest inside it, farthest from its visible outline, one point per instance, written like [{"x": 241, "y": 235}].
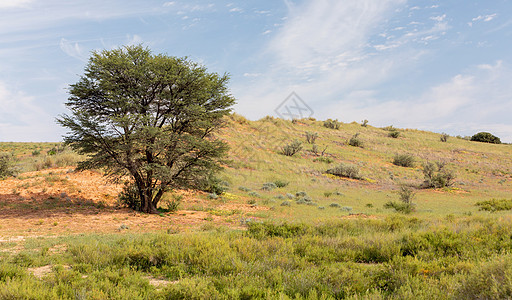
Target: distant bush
[
  {"x": 406, "y": 194},
  {"x": 444, "y": 137},
  {"x": 355, "y": 141},
  {"x": 495, "y": 205},
  {"x": 36, "y": 152},
  {"x": 364, "y": 123},
  {"x": 281, "y": 183},
  {"x": 401, "y": 207},
  {"x": 437, "y": 176},
  {"x": 244, "y": 189},
  {"x": 292, "y": 148},
  {"x": 129, "y": 196},
  {"x": 332, "y": 124},
  {"x": 334, "y": 204},
  {"x": 326, "y": 160},
  {"x": 286, "y": 203},
  {"x": 345, "y": 170},
  {"x": 394, "y": 134},
  {"x": 269, "y": 186},
  {"x": 486, "y": 137},
  {"x": 389, "y": 128},
  {"x": 311, "y": 137},
  {"x": 404, "y": 160},
  {"x": 254, "y": 194},
  {"x": 7, "y": 167}
]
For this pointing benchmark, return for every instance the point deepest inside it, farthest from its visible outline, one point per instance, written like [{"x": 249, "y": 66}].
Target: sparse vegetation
[
  {"x": 311, "y": 137},
  {"x": 364, "y": 123},
  {"x": 394, "y": 134},
  {"x": 444, "y": 137},
  {"x": 345, "y": 170},
  {"x": 292, "y": 148},
  {"x": 404, "y": 160},
  {"x": 437, "y": 175},
  {"x": 355, "y": 141},
  {"x": 332, "y": 124}
]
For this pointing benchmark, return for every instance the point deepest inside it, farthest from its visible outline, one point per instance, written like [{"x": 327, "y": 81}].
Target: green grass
[
  {"x": 352, "y": 247},
  {"x": 394, "y": 257}
]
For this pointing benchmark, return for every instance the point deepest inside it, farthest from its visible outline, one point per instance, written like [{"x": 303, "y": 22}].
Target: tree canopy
[{"x": 149, "y": 117}]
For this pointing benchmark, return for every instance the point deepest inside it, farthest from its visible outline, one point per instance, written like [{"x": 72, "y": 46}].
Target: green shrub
[
  {"x": 7, "y": 167},
  {"x": 486, "y": 137},
  {"x": 323, "y": 159},
  {"x": 281, "y": 183},
  {"x": 129, "y": 196},
  {"x": 394, "y": 134},
  {"x": 444, "y": 137},
  {"x": 437, "y": 176},
  {"x": 404, "y": 160},
  {"x": 364, "y": 123},
  {"x": 244, "y": 189},
  {"x": 311, "y": 137},
  {"x": 286, "y": 203},
  {"x": 269, "y": 186},
  {"x": 332, "y": 124},
  {"x": 345, "y": 170},
  {"x": 401, "y": 207},
  {"x": 254, "y": 194},
  {"x": 495, "y": 205},
  {"x": 406, "y": 194},
  {"x": 355, "y": 141},
  {"x": 292, "y": 148}
]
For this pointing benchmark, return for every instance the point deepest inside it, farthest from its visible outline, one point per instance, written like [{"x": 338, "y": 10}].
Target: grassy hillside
[
  {"x": 482, "y": 171},
  {"x": 283, "y": 228}
]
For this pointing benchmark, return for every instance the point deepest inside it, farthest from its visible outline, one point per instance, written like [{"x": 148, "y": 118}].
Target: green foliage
[
  {"x": 345, "y": 170},
  {"x": 7, "y": 167},
  {"x": 324, "y": 159},
  {"x": 404, "y": 160},
  {"x": 394, "y": 134},
  {"x": 332, "y": 124},
  {"x": 129, "y": 196},
  {"x": 406, "y": 194},
  {"x": 269, "y": 186},
  {"x": 401, "y": 207},
  {"x": 281, "y": 183},
  {"x": 444, "y": 137},
  {"x": 150, "y": 117},
  {"x": 437, "y": 175},
  {"x": 494, "y": 205},
  {"x": 311, "y": 137},
  {"x": 355, "y": 141},
  {"x": 292, "y": 148},
  {"x": 486, "y": 137}
]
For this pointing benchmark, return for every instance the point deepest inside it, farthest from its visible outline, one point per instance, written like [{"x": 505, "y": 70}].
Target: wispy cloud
[
  {"x": 15, "y": 3},
  {"x": 484, "y": 18},
  {"x": 23, "y": 119}
]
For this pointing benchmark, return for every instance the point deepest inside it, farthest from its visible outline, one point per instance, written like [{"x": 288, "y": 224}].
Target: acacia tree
[{"x": 149, "y": 117}]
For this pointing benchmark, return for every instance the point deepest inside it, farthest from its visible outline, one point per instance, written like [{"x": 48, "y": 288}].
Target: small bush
[
  {"x": 486, "y": 137},
  {"x": 355, "y": 141},
  {"x": 394, "y": 134},
  {"x": 292, "y": 148},
  {"x": 364, "y": 123},
  {"x": 437, "y": 176},
  {"x": 406, "y": 194},
  {"x": 281, "y": 183},
  {"x": 326, "y": 160},
  {"x": 286, "y": 203},
  {"x": 444, "y": 137},
  {"x": 495, "y": 205},
  {"x": 269, "y": 186},
  {"x": 129, "y": 196},
  {"x": 404, "y": 160},
  {"x": 172, "y": 203},
  {"x": 332, "y": 124},
  {"x": 244, "y": 189},
  {"x": 311, "y": 137},
  {"x": 401, "y": 207},
  {"x": 346, "y": 208},
  {"x": 335, "y": 205},
  {"x": 254, "y": 194},
  {"x": 345, "y": 170},
  {"x": 7, "y": 168}
]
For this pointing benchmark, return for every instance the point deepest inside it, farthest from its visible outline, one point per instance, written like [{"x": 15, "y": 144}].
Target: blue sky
[{"x": 443, "y": 66}]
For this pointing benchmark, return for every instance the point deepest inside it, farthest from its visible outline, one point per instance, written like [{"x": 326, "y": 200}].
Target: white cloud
[
  {"x": 439, "y": 18},
  {"x": 170, "y": 3},
  {"x": 15, "y": 3},
  {"x": 476, "y": 100},
  {"x": 484, "y": 18},
  {"x": 23, "y": 119},
  {"x": 73, "y": 49},
  {"x": 236, "y": 9}
]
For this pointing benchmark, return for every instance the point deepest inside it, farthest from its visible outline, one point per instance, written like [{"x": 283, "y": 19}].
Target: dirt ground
[{"x": 61, "y": 201}]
